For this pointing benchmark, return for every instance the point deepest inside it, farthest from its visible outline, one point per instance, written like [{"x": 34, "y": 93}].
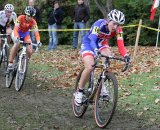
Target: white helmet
[
  {"x": 116, "y": 16},
  {"x": 9, "y": 7}
]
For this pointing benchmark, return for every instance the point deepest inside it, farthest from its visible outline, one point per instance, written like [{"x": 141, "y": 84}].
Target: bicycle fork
[{"x": 20, "y": 69}]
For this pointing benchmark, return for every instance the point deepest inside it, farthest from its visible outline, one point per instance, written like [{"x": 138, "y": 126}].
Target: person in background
[
  {"x": 37, "y": 17},
  {"x": 54, "y": 22},
  {"x": 81, "y": 16},
  {"x": 7, "y": 19},
  {"x": 95, "y": 42}
]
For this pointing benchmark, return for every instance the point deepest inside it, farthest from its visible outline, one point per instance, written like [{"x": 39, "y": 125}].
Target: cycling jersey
[
  {"x": 5, "y": 22},
  {"x": 4, "y": 19},
  {"x": 22, "y": 26},
  {"x": 98, "y": 37}
]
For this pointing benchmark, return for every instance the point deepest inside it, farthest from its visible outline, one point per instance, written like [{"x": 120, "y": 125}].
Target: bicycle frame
[
  {"x": 24, "y": 52},
  {"x": 105, "y": 68},
  {"x": 5, "y": 41}
]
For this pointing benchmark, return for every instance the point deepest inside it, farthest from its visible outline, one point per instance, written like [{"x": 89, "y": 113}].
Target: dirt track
[{"x": 35, "y": 108}]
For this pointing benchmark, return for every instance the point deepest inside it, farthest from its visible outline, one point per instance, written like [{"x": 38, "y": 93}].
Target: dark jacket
[
  {"x": 81, "y": 13},
  {"x": 37, "y": 17},
  {"x": 56, "y": 16}
]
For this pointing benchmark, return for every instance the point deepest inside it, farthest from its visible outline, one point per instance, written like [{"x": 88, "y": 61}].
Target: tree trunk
[{"x": 105, "y": 6}]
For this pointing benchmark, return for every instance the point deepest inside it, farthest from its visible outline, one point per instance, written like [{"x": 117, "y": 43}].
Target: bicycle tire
[
  {"x": 103, "y": 115},
  {"x": 21, "y": 72},
  {"x": 79, "y": 110},
  {"x": 11, "y": 74},
  {"x": 5, "y": 58}
]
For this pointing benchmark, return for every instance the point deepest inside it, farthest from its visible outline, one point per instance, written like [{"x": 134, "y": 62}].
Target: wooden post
[
  {"x": 158, "y": 32},
  {"x": 137, "y": 40}
]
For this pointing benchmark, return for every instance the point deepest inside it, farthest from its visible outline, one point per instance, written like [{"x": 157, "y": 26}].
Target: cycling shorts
[{"x": 87, "y": 50}]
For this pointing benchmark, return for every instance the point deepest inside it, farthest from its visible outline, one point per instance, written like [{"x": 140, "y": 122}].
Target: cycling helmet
[
  {"x": 9, "y": 7},
  {"x": 30, "y": 11},
  {"x": 116, "y": 16}
]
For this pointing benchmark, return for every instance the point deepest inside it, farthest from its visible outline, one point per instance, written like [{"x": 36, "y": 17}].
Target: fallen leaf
[
  {"x": 157, "y": 101},
  {"x": 139, "y": 113}
]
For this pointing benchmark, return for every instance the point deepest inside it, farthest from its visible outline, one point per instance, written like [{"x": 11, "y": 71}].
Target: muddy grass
[{"x": 36, "y": 108}]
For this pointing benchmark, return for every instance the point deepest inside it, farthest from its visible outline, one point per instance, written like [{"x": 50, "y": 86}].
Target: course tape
[{"x": 86, "y": 29}]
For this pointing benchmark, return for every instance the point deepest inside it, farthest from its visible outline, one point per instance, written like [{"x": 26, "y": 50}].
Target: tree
[{"x": 105, "y": 6}]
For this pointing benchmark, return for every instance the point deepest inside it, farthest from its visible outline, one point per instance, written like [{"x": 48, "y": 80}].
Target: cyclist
[
  {"x": 21, "y": 31},
  {"x": 7, "y": 19},
  {"x": 96, "y": 41}
]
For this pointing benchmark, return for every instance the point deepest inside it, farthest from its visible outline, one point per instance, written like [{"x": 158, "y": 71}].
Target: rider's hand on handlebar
[
  {"x": 39, "y": 44},
  {"x": 127, "y": 58},
  {"x": 17, "y": 39}
]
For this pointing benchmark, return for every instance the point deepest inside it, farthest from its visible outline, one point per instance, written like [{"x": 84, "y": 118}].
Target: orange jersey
[{"x": 23, "y": 25}]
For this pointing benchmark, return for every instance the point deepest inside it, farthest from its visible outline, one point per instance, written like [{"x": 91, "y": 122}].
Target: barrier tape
[
  {"x": 71, "y": 30},
  {"x": 154, "y": 29}
]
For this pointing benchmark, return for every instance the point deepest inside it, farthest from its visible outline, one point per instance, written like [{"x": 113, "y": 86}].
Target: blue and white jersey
[{"x": 98, "y": 36}]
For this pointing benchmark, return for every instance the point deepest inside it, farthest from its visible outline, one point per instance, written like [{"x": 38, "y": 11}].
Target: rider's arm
[
  {"x": 120, "y": 41},
  {"x": 93, "y": 37},
  {"x": 36, "y": 32},
  {"x": 15, "y": 30}
]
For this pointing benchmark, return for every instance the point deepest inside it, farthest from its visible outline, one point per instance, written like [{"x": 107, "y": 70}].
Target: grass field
[{"x": 139, "y": 87}]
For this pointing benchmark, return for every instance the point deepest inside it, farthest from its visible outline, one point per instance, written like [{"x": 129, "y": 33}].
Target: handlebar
[
  {"x": 25, "y": 44},
  {"x": 4, "y": 35},
  {"x": 112, "y": 57}
]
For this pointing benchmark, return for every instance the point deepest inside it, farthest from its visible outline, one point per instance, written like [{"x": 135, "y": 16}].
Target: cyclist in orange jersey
[{"x": 23, "y": 24}]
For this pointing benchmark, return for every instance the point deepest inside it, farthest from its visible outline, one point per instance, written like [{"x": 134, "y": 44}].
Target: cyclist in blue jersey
[{"x": 95, "y": 41}]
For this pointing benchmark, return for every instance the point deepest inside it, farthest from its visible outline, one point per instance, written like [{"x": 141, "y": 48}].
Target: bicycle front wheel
[
  {"x": 21, "y": 72},
  {"x": 105, "y": 106},
  {"x": 11, "y": 74},
  {"x": 9, "y": 78}
]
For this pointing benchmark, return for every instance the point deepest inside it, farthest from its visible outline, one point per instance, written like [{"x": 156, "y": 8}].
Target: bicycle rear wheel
[
  {"x": 80, "y": 110},
  {"x": 5, "y": 59},
  {"x": 104, "y": 108},
  {"x": 21, "y": 72}
]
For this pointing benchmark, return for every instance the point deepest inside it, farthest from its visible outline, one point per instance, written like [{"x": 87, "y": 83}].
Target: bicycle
[
  {"x": 4, "y": 52},
  {"x": 104, "y": 107},
  {"x": 20, "y": 67}
]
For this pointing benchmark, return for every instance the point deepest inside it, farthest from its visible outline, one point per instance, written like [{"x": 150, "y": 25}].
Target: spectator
[
  {"x": 81, "y": 16},
  {"x": 54, "y": 22},
  {"x": 36, "y": 17}
]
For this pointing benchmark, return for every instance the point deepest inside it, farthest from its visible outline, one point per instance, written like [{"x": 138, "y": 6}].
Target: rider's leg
[
  {"x": 105, "y": 50},
  {"x": 88, "y": 62},
  {"x": 27, "y": 39},
  {"x": 9, "y": 31},
  {"x": 13, "y": 52}
]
